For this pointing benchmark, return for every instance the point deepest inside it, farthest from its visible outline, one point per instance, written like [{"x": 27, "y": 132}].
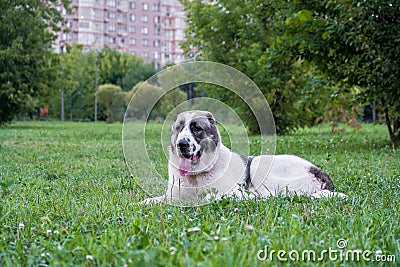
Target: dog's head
[{"x": 194, "y": 140}]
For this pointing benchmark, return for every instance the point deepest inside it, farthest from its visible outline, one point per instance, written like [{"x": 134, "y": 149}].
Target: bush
[{"x": 111, "y": 97}]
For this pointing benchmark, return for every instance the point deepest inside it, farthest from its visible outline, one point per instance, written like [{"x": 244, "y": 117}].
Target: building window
[
  {"x": 132, "y": 29},
  {"x": 157, "y": 19},
  {"x": 145, "y": 30},
  {"x": 110, "y": 2},
  {"x": 111, "y": 27},
  {"x": 98, "y": 14},
  {"x": 132, "y": 5},
  {"x": 86, "y": 2},
  {"x": 145, "y": 54},
  {"x": 145, "y": 6},
  {"x": 145, "y": 42},
  {"x": 133, "y": 17},
  {"x": 132, "y": 41},
  {"x": 179, "y": 34},
  {"x": 84, "y": 24},
  {"x": 122, "y": 17},
  {"x": 169, "y": 35},
  {"x": 157, "y": 30},
  {"x": 111, "y": 40},
  {"x": 111, "y": 15},
  {"x": 156, "y": 43},
  {"x": 122, "y": 28},
  {"x": 156, "y": 7},
  {"x": 156, "y": 55},
  {"x": 98, "y": 39},
  {"x": 145, "y": 18},
  {"x": 167, "y": 22}
]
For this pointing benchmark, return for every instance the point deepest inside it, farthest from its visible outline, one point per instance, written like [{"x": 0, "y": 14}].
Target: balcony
[{"x": 122, "y": 33}]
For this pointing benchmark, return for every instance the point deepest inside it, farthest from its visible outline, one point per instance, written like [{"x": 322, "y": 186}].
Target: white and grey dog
[{"x": 201, "y": 168}]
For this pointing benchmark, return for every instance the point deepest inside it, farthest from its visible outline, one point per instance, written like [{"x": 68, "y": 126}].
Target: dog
[{"x": 202, "y": 169}]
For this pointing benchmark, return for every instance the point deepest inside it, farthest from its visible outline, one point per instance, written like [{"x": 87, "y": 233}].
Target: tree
[
  {"x": 241, "y": 36},
  {"x": 28, "y": 67},
  {"x": 78, "y": 83},
  {"x": 137, "y": 71},
  {"x": 169, "y": 101},
  {"x": 111, "y": 97},
  {"x": 122, "y": 69},
  {"x": 141, "y": 103},
  {"x": 79, "y": 78},
  {"x": 352, "y": 43}
]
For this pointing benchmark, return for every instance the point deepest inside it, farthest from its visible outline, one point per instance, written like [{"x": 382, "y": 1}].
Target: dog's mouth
[{"x": 185, "y": 164}]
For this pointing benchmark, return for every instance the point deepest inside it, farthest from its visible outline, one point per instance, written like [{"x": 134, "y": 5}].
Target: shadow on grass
[{"x": 33, "y": 125}]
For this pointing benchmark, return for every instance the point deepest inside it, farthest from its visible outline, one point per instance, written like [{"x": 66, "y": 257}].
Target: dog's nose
[{"x": 184, "y": 147}]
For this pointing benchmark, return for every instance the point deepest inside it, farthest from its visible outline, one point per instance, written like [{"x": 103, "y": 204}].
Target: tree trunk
[
  {"x": 388, "y": 124},
  {"x": 394, "y": 131},
  {"x": 109, "y": 116}
]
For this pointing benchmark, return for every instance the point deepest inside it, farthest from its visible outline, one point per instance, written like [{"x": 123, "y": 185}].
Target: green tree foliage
[
  {"x": 78, "y": 74},
  {"x": 111, "y": 97},
  {"x": 144, "y": 105},
  {"x": 141, "y": 103},
  {"x": 28, "y": 68},
  {"x": 123, "y": 69},
  {"x": 341, "y": 109},
  {"x": 169, "y": 101},
  {"x": 352, "y": 42},
  {"x": 240, "y": 35},
  {"x": 137, "y": 71},
  {"x": 140, "y": 109},
  {"x": 79, "y": 78}
]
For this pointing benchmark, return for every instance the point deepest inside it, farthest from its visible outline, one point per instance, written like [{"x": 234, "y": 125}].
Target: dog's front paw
[
  {"x": 327, "y": 194},
  {"x": 153, "y": 200}
]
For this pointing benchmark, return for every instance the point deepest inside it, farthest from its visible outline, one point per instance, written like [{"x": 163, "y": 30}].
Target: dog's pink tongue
[{"x": 184, "y": 166}]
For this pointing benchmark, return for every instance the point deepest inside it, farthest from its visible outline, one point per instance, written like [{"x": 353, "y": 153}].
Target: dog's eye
[{"x": 195, "y": 128}]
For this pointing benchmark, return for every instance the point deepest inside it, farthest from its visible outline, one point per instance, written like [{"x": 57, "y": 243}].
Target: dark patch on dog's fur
[
  {"x": 177, "y": 127},
  {"x": 201, "y": 129},
  {"x": 323, "y": 178},
  {"x": 247, "y": 179}
]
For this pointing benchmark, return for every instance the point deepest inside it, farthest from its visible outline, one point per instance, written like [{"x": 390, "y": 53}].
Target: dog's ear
[
  {"x": 210, "y": 117},
  {"x": 175, "y": 123},
  {"x": 173, "y": 126}
]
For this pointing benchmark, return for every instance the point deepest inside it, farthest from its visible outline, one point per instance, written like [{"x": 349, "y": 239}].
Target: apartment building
[
  {"x": 150, "y": 29},
  {"x": 173, "y": 24}
]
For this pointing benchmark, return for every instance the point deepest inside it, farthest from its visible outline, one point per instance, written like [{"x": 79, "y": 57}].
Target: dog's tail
[{"x": 323, "y": 178}]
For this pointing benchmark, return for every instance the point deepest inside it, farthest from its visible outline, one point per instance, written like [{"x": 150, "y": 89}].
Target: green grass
[{"x": 69, "y": 186}]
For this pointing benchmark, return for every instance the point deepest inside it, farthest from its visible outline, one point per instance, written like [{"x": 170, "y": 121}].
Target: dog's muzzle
[
  {"x": 187, "y": 156},
  {"x": 184, "y": 148}
]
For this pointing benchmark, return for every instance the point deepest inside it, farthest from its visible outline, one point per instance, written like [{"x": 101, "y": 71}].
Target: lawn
[{"x": 68, "y": 198}]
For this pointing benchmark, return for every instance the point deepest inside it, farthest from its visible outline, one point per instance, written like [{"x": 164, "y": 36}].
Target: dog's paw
[
  {"x": 327, "y": 194},
  {"x": 153, "y": 200}
]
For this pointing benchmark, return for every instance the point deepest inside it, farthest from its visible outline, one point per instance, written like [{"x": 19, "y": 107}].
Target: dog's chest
[{"x": 199, "y": 180}]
